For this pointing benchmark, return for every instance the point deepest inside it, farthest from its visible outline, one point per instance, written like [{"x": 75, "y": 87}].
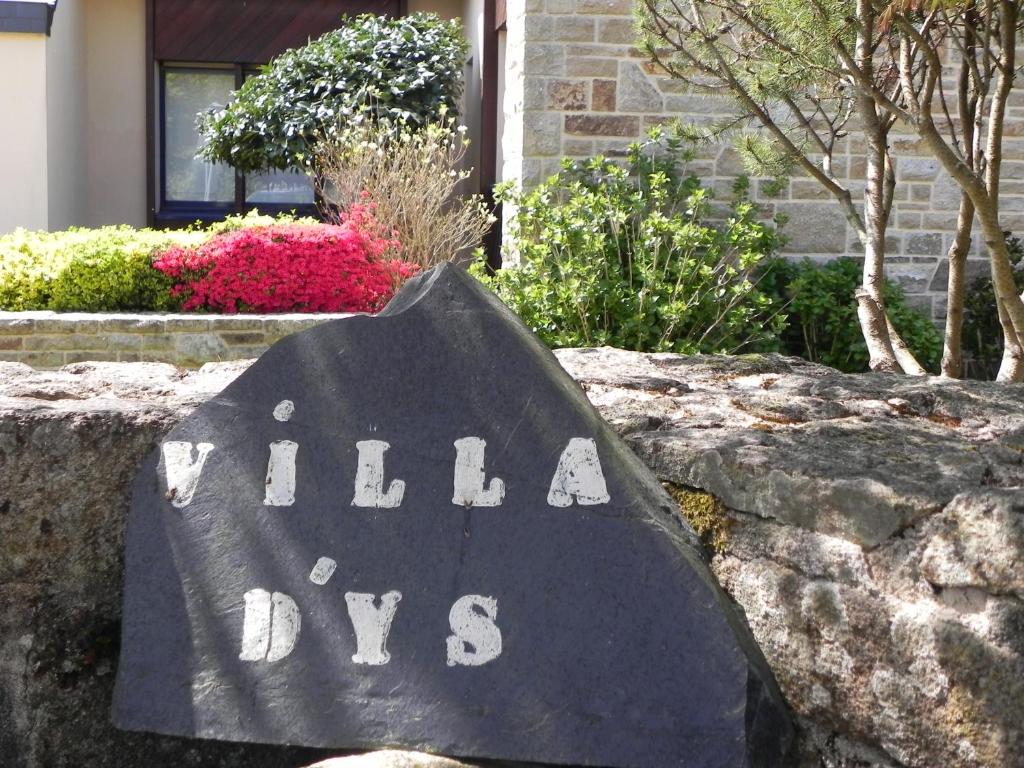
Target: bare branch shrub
[{"x": 411, "y": 177}]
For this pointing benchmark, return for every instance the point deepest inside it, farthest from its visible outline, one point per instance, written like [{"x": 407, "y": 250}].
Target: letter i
[{"x": 281, "y": 466}]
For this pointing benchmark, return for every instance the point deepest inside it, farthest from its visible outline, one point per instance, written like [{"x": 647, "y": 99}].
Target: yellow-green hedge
[{"x": 97, "y": 270}]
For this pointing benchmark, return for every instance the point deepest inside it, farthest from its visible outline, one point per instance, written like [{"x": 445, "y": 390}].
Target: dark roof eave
[{"x": 29, "y": 16}]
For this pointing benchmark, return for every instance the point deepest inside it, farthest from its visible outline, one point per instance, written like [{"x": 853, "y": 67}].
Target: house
[{"x": 99, "y": 96}]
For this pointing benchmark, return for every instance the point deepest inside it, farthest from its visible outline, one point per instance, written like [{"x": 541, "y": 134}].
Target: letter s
[{"x": 475, "y": 638}]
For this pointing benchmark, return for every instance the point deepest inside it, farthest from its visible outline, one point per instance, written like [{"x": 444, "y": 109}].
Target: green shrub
[
  {"x": 113, "y": 271},
  {"x": 252, "y": 218},
  {"x": 102, "y": 270},
  {"x": 89, "y": 270},
  {"x": 822, "y": 315},
  {"x": 25, "y": 264},
  {"x": 624, "y": 256},
  {"x": 407, "y": 69}
]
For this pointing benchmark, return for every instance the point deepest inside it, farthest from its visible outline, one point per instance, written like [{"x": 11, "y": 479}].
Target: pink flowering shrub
[{"x": 289, "y": 268}]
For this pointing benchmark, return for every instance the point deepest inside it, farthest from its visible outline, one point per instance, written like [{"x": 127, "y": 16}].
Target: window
[
  {"x": 198, "y": 52},
  {"x": 192, "y": 188},
  {"x": 188, "y": 180},
  {"x": 277, "y": 187}
]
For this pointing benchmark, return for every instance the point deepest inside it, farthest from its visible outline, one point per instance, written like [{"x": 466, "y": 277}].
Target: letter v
[{"x": 181, "y": 471}]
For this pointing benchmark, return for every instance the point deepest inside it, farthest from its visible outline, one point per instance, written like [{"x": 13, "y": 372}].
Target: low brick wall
[{"x": 53, "y": 339}]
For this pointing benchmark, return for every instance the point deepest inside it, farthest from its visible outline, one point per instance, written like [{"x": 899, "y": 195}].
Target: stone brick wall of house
[
  {"x": 51, "y": 340},
  {"x": 584, "y": 90}
]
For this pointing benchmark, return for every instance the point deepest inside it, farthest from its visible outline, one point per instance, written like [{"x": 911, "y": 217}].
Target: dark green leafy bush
[
  {"x": 625, "y": 256},
  {"x": 822, "y": 311},
  {"x": 407, "y": 69}
]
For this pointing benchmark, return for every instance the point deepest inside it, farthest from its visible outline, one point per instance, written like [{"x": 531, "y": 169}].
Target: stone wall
[
  {"x": 51, "y": 339},
  {"x": 582, "y": 89},
  {"x": 871, "y": 528}
]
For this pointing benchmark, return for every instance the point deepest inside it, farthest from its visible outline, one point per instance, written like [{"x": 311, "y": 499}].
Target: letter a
[
  {"x": 579, "y": 474},
  {"x": 181, "y": 472},
  {"x": 370, "y": 478},
  {"x": 469, "y": 476},
  {"x": 475, "y": 638},
  {"x": 270, "y": 627},
  {"x": 371, "y": 625},
  {"x": 281, "y": 474}
]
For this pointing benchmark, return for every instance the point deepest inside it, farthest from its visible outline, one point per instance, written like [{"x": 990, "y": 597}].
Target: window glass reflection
[
  {"x": 279, "y": 188},
  {"x": 187, "y": 178}
]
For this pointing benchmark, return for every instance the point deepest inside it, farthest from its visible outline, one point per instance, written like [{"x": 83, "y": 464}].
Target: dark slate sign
[{"x": 414, "y": 531}]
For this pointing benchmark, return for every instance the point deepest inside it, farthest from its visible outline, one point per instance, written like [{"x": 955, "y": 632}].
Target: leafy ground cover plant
[
  {"x": 287, "y": 268},
  {"x": 401, "y": 69},
  {"x": 624, "y": 255},
  {"x": 821, "y": 307}
]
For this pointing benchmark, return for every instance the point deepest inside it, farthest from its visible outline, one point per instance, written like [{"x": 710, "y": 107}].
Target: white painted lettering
[
  {"x": 270, "y": 626},
  {"x": 285, "y": 624},
  {"x": 371, "y": 625},
  {"x": 578, "y": 474},
  {"x": 470, "y": 476},
  {"x": 369, "y": 490},
  {"x": 284, "y": 410},
  {"x": 281, "y": 474},
  {"x": 475, "y": 638},
  {"x": 322, "y": 571},
  {"x": 181, "y": 471}
]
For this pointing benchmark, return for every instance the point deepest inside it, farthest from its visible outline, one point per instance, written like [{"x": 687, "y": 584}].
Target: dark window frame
[
  {"x": 184, "y": 212},
  {"x": 156, "y": 215}
]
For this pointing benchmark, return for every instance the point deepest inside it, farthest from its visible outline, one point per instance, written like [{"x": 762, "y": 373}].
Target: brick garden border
[{"x": 53, "y": 339}]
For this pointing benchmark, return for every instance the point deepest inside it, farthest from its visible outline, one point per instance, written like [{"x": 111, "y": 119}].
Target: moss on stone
[
  {"x": 964, "y": 717},
  {"x": 706, "y": 515}
]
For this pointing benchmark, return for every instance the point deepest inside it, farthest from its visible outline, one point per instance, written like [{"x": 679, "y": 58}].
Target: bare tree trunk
[
  {"x": 1011, "y": 367},
  {"x": 1010, "y": 305},
  {"x": 983, "y": 192},
  {"x": 879, "y": 334},
  {"x": 874, "y": 328},
  {"x": 904, "y": 356},
  {"x": 870, "y": 300},
  {"x": 969, "y": 94},
  {"x": 871, "y": 312},
  {"x": 956, "y": 288}
]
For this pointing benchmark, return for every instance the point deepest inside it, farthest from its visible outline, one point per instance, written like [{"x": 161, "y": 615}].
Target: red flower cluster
[{"x": 289, "y": 268}]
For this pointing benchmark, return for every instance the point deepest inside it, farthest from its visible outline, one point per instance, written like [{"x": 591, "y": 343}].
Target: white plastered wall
[
  {"x": 73, "y": 128},
  {"x": 502, "y": 39},
  {"x": 23, "y": 162},
  {"x": 512, "y": 93},
  {"x": 473, "y": 22},
  {"x": 65, "y": 117},
  {"x": 470, "y": 12},
  {"x": 115, "y": 130}
]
